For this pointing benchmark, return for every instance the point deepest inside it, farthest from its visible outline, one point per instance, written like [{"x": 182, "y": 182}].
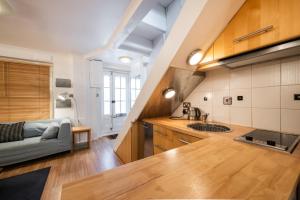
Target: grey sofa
[{"x": 33, "y": 146}]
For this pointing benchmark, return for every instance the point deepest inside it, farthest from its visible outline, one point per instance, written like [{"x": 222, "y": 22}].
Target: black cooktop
[{"x": 277, "y": 140}]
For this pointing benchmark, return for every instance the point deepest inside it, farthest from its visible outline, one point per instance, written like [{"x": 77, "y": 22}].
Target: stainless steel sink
[{"x": 209, "y": 127}]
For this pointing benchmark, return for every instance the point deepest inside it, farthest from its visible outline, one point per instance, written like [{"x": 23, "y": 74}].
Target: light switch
[
  {"x": 240, "y": 98},
  {"x": 296, "y": 97}
]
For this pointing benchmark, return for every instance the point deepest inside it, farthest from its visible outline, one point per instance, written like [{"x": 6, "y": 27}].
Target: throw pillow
[
  {"x": 51, "y": 132},
  {"x": 34, "y": 129},
  {"x": 11, "y": 132}
]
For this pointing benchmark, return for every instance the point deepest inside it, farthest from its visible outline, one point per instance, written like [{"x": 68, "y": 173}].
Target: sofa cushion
[
  {"x": 11, "y": 132},
  {"x": 34, "y": 129},
  {"x": 51, "y": 132}
]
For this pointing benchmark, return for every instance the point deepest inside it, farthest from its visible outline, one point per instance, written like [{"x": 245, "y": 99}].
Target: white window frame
[{"x": 135, "y": 89}]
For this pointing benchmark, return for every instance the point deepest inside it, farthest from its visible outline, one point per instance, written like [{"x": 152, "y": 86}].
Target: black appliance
[{"x": 272, "y": 139}]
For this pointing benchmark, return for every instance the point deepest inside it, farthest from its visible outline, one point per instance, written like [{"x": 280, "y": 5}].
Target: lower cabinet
[{"x": 165, "y": 139}]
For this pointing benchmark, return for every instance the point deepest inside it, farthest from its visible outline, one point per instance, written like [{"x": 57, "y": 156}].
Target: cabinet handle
[
  {"x": 255, "y": 33},
  {"x": 159, "y": 147},
  {"x": 183, "y": 141}
]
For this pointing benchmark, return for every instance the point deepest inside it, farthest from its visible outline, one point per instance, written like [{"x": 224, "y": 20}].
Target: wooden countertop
[{"x": 215, "y": 167}]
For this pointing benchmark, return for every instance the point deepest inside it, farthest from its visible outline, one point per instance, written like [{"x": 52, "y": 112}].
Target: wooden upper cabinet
[
  {"x": 289, "y": 26},
  {"x": 246, "y": 31},
  {"x": 209, "y": 55}
]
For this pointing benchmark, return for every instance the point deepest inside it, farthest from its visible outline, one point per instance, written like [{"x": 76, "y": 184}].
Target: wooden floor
[{"x": 69, "y": 167}]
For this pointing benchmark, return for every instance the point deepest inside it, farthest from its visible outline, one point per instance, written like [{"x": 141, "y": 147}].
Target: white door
[{"x": 115, "y": 100}]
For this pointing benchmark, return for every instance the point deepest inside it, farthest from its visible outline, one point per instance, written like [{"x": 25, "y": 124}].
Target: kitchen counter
[{"x": 214, "y": 167}]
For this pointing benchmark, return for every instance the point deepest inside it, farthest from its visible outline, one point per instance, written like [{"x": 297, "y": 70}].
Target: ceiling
[{"x": 74, "y": 26}]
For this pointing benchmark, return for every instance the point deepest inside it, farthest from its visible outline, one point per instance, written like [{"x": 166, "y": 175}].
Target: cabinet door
[
  {"x": 253, "y": 16},
  {"x": 289, "y": 26},
  {"x": 180, "y": 139},
  {"x": 161, "y": 138},
  {"x": 209, "y": 55}
]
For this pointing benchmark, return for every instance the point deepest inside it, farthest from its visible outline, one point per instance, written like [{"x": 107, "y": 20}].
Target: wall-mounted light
[
  {"x": 125, "y": 59},
  {"x": 195, "y": 57},
  {"x": 169, "y": 93},
  {"x": 63, "y": 97}
]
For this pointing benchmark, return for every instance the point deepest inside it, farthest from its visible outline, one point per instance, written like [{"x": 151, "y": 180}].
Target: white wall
[
  {"x": 90, "y": 99},
  {"x": 63, "y": 68},
  {"x": 268, "y": 91}
]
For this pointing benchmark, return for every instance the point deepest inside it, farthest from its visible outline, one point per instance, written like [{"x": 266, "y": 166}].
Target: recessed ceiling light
[
  {"x": 195, "y": 57},
  {"x": 169, "y": 93},
  {"x": 125, "y": 59}
]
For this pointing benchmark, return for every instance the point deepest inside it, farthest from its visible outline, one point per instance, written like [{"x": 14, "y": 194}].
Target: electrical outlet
[
  {"x": 186, "y": 104},
  {"x": 227, "y": 100},
  {"x": 205, "y": 98}
]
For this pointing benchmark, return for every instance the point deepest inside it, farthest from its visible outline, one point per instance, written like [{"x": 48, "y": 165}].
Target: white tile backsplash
[
  {"x": 290, "y": 121},
  {"x": 221, "y": 113},
  {"x": 265, "y": 118},
  {"x": 266, "y": 97},
  {"x": 245, "y": 93},
  {"x": 287, "y": 97},
  {"x": 241, "y": 116},
  {"x": 205, "y": 98},
  {"x": 266, "y": 74},
  {"x": 218, "y": 95},
  {"x": 240, "y": 78},
  {"x": 290, "y": 71},
  {"x": 221, "y": 79}
]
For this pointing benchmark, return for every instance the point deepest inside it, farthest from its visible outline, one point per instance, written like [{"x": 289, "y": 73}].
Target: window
[
  {"x": 24, "y": 92},
  {"x": 107, "y": 95},
  {"x": 120, "y": 94},
  {"x": 135, "y": 89}
]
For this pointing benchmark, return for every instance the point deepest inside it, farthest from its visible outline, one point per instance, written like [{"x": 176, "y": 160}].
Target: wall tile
[
  {"x": 221, "y": 114},
  {"x": 290, "y": 121},
  {"x": 207, "y": 109},
  {"x": 246, "y": 93},
  {"x": 268, "y": 119},
  {"x": 267, "y": 97},
  {"x": 266, "y": 74},
  {"x": 221, "y": 79},
  {"x": 290, "y": 71},
  {"x": 240, "y": 116},
  {"x": 240, "y": 78},
  {"x": 208, "y": 96},
  {"x": 218, "y": 97},
  {"x": 287, "y": 97}
]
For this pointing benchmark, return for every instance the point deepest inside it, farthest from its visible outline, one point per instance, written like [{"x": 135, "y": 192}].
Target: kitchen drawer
[
  {"x": 180, "y": 139},
  {"x": 158, "y": 149}
]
